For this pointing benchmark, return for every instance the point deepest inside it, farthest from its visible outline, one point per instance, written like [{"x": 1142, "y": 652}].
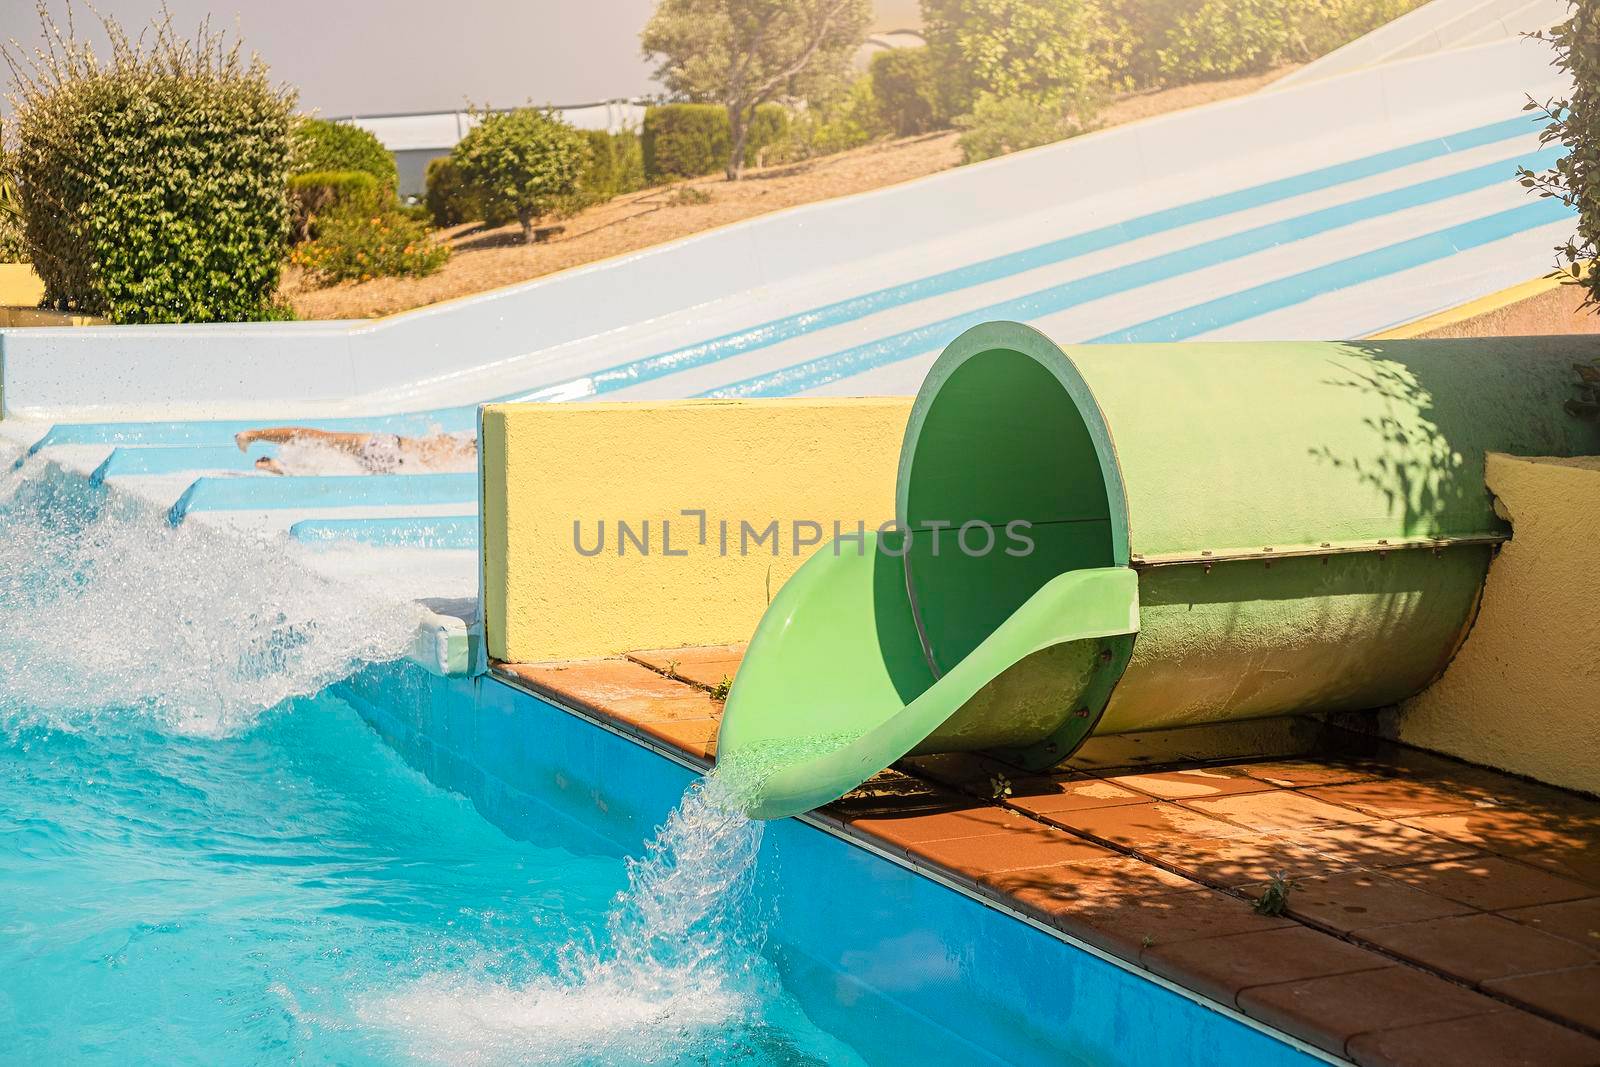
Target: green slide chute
[{"x": 1105, "y": 538}]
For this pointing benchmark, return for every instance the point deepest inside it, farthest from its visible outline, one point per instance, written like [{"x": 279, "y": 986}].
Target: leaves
[
  {"x": 153, "y": 183},
  {"x": 1575, "y": 123},
  {"x": 527, "y": 160},
  {"x": 743, "y": 53}
]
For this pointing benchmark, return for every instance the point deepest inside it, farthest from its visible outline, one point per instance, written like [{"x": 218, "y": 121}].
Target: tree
[
  {"x": 744, "y": 53},
  {"x": 1017, "y": 48},
  {"x": 525, "y": 161},
  {"x": 1575, "y": 122}
]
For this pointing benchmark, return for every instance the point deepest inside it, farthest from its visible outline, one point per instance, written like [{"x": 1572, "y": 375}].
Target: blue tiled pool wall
[{"x": 902, "y": 967}]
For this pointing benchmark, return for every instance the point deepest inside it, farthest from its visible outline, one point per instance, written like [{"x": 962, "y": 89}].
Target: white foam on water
[
  {"x": 681, "y": 962},
  {"x": 105, "y": 607},
  {"x": 435, "y": 453}
]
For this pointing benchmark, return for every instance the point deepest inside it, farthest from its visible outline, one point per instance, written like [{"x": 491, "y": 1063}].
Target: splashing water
[
  {"x": 680, "y": 962},
  {"x": 103, "y": 606}
]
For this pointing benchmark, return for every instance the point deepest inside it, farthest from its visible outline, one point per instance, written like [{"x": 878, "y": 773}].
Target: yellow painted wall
[
  {"x": 1523, "y": 694},
  {"x": 19, "y": 286},
  {"x": 547, "y": 465}
]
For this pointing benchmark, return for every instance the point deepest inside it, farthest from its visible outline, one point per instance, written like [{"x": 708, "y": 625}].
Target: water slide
[
  {"x": 1335, "y": 208},
  {"x": 1092, "y": 539}
]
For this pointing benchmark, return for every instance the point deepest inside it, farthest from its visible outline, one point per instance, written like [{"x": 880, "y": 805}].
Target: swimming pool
[
  {"x": 294, "y": 891},
  {"x": 237, "y": 826}
]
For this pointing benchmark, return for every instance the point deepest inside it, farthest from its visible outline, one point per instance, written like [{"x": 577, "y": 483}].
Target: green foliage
[
  {"x": 1227, "y": 38},
  {"x": 354, "y": 246},
  {"x": 322, "y": 147},
  {"x": 526, "y": 161},
  {"x": 451, "y": 201},
  {"x": 1002, "y": 124},
  {"x": 1274, "y": 900},
  {"x": 313, "y": 196},
  {"x": 615, "y": 166},
  {"x": 845, "y": 121},
  {"x": 152, "y": 182},
  {"x": 744, "y": 53},
  {"x": 13, "y": 247},
  {"x": 1179, "y": 41},
  {"x": 1575, "y": 123},
  {"x": 684, "y": 141},
  {"x": 1017, "y": 48},
  {"x": 902, "y": 85},
  {"x": 688, "y": 140}
]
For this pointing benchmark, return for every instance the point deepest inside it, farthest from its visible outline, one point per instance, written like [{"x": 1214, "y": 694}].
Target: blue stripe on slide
[
  {"x": 275, "y": 492},
  {"x": 135, "y": 462},
  {"x": 697, "y": 355},
  {"x": 935, "y": 335},
  {"x": 444, "y": 532},
  {"x": 461, "y": 419},
  {"x": 1298, "y": 288}
]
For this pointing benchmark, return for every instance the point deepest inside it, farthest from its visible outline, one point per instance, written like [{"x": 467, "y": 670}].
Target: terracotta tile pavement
[
  {"x": 1576, "y": 920},
  {"x": 705, "y": 667},
  {"x": 1414, "y": 877},
  {"x": 1572, "y": 995},
  {"x": 1502, "y": 1039},
  {"x": 1328, "y": 1012},
  {"x": 1221, "y": 967},
  {"x": 1479, "y": 947}
]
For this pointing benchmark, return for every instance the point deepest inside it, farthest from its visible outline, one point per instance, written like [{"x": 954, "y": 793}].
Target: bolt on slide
[{"x": 1105, "y": 538}]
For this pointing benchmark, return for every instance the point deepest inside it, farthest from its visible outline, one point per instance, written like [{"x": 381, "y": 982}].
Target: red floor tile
[
  {"x": 1478, "y": 947},
  {"x": 1360, "y": 899},
  {"x": 1219, "y": 967},
  {"x": 1192, "y": 783},
  {"x": 1328, "y": 1012},
  {"x": 1503, "y": 1039},
  {"x": 1572, "y": 995},
  {"x": 703, "y": 666},
  {"x": 1396, "y": 798},
  {"x": 1492, "y": 883},
  {"x": 1280, "y": 810},
  {"x": 1576, "y": 920},
  {"x": 1017, "y": 844},
  {"x": 1144, "y": 824}
]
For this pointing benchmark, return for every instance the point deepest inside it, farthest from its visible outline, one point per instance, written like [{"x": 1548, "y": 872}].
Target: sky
[{"x": 362, "y": 57}]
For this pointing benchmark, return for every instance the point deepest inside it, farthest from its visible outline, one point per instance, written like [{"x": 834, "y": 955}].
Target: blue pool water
[
  {"x": 293, "y": 891},
  {"x": 206, "y": 858}
]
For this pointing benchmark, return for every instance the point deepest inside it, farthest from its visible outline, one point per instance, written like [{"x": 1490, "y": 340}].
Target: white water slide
[{"x": 1336, "y": 207}]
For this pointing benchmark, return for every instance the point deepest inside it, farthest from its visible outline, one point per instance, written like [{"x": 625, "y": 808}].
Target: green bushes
[
  {"x": 1575, "y": 123},
  {"x": 1002, "y": 124},
  {"x": 322, "y": 147},
  {"x": 615, "y": 166},
  {"x": 13, "y": 249},
  {"x": 351, "y": 246},
  {"x": 451, "y": 201},
  {"x": 688, "y": 140},
  {"x": 313, "y": 196},
  {"x": 527, "y": 161},
  {"x": 1228, "y": 38},
  {"x": 153, "y": 182},
  {"x": 901, "y": 84},
  {"x": 845, "y": 121}
]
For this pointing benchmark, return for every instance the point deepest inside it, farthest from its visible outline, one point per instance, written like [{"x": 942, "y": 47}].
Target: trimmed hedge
[
  {"x": 902, "y": 86},
  {"x": 689, "y": 140},
  {"x": 322, "y": 193},
  {"x": 153, "y": 183},
  {"x": 323, "y": 147}
]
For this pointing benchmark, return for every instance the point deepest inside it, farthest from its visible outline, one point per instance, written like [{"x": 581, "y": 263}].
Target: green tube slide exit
[{"x": 1104, "y": 538}]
